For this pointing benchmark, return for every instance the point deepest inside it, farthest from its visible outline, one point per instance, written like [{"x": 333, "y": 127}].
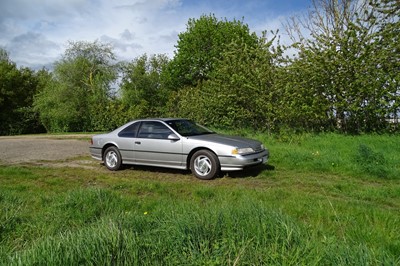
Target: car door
[
  {"x": 152, "y": 146},
  {"x": 126, "y": 142}
]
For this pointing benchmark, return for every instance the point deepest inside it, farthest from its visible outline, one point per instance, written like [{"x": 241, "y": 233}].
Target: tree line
[{"x": 340, "y": 73}]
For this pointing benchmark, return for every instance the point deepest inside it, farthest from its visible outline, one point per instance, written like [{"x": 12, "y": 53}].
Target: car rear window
[{"x": 130, "y": 131}]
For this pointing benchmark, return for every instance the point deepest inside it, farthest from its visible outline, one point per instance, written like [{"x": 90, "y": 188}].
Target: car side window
[
  {"x": 129, "y": 131},
  {"x": 154, "y": 130}
]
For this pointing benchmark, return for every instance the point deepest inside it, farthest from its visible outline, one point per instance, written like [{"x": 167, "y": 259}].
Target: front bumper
[{"x": 239, "y": 162}]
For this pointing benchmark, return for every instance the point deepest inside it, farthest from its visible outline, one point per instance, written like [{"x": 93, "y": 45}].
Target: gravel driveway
[{"x": 30, "y": 149}]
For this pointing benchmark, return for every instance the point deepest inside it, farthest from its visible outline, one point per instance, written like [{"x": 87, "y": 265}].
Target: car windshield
[{"x": 188, "y": 128}]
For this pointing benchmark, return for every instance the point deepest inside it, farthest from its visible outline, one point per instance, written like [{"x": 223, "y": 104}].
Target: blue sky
[{"x": 36, "y": 32}]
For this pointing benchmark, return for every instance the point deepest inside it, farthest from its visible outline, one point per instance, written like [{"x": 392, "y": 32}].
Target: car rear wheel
[
  {"x": 112, "y": 158},
  {"x": 204, "y": 164}
]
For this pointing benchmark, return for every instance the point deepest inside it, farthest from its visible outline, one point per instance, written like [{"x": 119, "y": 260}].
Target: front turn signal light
[{"x": 237, "y": 151}]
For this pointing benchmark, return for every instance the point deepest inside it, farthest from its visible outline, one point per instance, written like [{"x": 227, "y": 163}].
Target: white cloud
[
  {"x": 133, "y": 27},
  {"x": 36, "y": 31},
  {"x": 40, "y": 49}
]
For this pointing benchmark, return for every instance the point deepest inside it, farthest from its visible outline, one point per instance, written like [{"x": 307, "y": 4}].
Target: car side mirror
[{"x": 173, "y": 137}]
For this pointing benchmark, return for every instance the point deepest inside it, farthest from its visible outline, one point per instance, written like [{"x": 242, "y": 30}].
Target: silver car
[{"x": 176, "y": 143}]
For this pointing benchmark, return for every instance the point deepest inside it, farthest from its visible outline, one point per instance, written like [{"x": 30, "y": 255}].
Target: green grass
[
  {"x": 301, "y": 210},
  {"x": 365, "y": 156}
]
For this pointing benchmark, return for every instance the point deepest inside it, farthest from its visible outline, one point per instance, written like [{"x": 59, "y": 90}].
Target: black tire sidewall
[
  {"x": 118, "y": 165},
  {"x": 215, "y": 167}
]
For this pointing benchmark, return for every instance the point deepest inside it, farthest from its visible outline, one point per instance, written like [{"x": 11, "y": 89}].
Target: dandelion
[{"x": 145, "y": 213}]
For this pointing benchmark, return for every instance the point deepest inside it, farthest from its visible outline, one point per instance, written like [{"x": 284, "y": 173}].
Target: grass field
[{"x": 322, "y": 200}]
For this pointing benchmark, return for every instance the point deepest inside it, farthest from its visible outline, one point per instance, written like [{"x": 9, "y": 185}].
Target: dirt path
[{"x": 36, "y": 148}]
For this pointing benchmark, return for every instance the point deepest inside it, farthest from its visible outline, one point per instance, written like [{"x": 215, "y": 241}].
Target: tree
[
  {"x": 77, "y": 97},
  {"x": 335, "y": 80},
  {"x": 142, "y": 86},
  {"x": 386, "y": 44},
  {"x": 239, "y": 93},
  {"x": 17, "y": 88},
  {"x": 201, "y": 46},
  {"x": 325, "y": 18}
]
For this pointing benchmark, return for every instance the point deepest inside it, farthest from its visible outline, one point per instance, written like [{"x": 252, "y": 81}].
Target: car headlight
[{"x": 242, "y": 151}]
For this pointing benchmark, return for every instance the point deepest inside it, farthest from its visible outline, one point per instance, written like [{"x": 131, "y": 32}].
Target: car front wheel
[
  {"x": 112, "y": 158},
  {"x": 204, "y": 164}
]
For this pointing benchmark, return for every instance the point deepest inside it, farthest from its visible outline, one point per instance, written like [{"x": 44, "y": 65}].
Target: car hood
[{"x": 234, "y": 141}]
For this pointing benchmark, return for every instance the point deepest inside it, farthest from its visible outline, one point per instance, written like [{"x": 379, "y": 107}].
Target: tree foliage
[
  {"x": 386, "y": 44},
  {"x": 202, "y": 45},
  {"x": 142, "y": 87},
  {"x": 337, "y": 79},
  {"x": 239, "y": 92},
  {"x": 77, "y": 96},
  {"x": 17, "y": 89}
]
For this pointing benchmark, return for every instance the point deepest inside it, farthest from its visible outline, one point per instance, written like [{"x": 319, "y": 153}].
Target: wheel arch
[
  {"x": 105, "y": 147},
  {"x": 189, "y": 157}
]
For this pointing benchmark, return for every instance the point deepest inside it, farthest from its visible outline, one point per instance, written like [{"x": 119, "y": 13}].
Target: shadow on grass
[
  {"x": 154, "y": 169},
  {"x": 247, "y": 172}
]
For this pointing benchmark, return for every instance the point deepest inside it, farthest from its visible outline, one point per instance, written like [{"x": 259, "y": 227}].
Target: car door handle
[{"x": 138, "y": 142}]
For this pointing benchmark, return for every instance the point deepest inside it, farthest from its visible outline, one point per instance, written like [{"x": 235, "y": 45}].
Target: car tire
[
  {"x": 112, "y": 158},
  {"x": 204, "y": 164}
]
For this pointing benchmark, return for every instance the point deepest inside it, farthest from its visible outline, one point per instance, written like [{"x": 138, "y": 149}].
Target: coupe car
[{"x": 176, "y": 143}]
